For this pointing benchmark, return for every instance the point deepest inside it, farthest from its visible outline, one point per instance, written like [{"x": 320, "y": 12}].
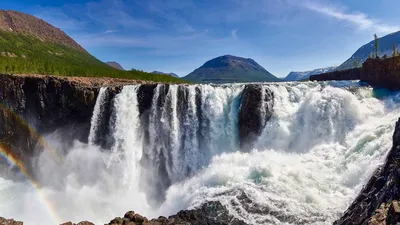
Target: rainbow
[
  {"x": 47, "y": 203},
  {"x": 4, "y": 151},
  {"x": 34, "y": 134}
]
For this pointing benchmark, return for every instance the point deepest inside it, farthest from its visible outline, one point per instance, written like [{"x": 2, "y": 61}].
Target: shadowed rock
[{"x": 255, "y": 110}]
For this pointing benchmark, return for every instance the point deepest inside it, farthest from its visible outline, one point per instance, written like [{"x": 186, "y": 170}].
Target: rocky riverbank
[
  {"x": 211, "y": 213},
  {"x": 380, "y": 72}
]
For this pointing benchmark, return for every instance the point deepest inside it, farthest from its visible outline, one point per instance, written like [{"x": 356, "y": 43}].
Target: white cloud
[
  {"x": 234, "y": 34},
  {"x": 360, "y": 20},
  {"x": 110, "y": 31}
]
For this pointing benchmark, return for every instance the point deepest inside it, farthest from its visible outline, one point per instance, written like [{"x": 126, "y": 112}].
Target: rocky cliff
[
  {"x": 380, "y": 72},
  {"x": 32, "y": 105},
  {"x": 377, "y": 204}
]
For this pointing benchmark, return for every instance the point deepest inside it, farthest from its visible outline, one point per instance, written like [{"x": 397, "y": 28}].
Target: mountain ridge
[
  {"x": 171, "y": 74},
  {"x": 362, "y": 54},
  {"x": 297, "y": 75},
  {"x": 228, "y": 69},
  {"x": 115, "y": 65},
  {"x": 23, "y": 23}
]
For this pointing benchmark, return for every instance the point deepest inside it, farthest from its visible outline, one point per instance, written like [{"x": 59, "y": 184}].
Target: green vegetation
[
  {"x": 394, "y": 51},
  {"x": 356, "y": 64},
  {"x": 24, "y": 54},
  {"x": 376, "y": 45}
]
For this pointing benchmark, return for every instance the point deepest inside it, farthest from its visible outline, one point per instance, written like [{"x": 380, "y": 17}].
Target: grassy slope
[{"x": 31, "y": 55}]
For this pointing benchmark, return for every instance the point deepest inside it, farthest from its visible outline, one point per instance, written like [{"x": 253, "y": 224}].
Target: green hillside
[{"x": 26, "y": 54}]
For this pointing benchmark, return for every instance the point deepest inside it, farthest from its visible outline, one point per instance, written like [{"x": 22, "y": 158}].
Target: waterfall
[
  {"x": 282, "y": 153},
  {"x": 97, "y": 114}
]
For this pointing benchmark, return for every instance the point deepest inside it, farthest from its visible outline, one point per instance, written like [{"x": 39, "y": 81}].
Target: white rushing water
[{"x": 314, "y": 155}]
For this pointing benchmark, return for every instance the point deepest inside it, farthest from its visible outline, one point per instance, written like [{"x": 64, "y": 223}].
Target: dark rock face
[
  {"x": 211, "y": 213},
  {"x": 31, "y": 106},
  {"x": 255, "y": 110},
  {"x": 378, "y": 201},
  {"x": 350, "y": 74},
  {"x": 380, "y": 72}
]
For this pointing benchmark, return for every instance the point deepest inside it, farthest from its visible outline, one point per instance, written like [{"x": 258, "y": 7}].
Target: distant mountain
[
  {"x": 229, "y": 69},
  {"x": 171, "y": 74},
  {"x": 115, "y": 65},
  {"x": 293, "y": 76},
  {"x": 385, "y": 47}
]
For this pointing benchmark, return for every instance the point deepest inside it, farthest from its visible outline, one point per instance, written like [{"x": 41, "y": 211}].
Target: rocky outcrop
[
  {"x": 32, "y": 105},
  {"x": 211, "y": 213},
  {"x": 380, "y": 72},
  {"x": 4, "y": 221},
  {"x": 255, "y": 110},
  {"x": 80, "y": 223},
  {"x": 350, "y": 74},
  {"x": 378, "y": 201}
]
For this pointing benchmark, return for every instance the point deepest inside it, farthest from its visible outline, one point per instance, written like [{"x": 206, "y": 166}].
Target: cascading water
[{"x": 174, "y": 147}]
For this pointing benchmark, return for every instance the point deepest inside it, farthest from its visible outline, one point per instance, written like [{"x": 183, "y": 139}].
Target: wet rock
[
  {"x": 255, "y": 110},
  {"x": 211, "y": 213},
  {"x": 393, "y": 216},
  {"x": 80, "y": 223},
  {"x": 33, "y": 105},
  {"x": 4, "y": 221}
]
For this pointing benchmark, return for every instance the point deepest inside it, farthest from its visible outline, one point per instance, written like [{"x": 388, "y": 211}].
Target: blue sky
[{"x": 180, "y": 35}]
